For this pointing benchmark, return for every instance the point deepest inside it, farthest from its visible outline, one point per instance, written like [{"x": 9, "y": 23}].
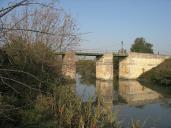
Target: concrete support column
[
  {"x": 69, "y": 65},
  {"x": 104, "y": 67}
]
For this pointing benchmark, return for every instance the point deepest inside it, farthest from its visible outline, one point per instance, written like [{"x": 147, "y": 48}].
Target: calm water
[{"x": 131, "y": 100}]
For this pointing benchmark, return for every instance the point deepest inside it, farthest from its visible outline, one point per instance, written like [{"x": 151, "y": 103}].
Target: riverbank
[
  {"x": 33, "y": 87},
  {"x": 160, "y": 75}
]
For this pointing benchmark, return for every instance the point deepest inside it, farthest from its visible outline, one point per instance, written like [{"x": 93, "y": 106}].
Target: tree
[
  {"x": 140, "y": 45},
  {"x": 42, "y": 23},
  {"x": 29, "y": 37}
]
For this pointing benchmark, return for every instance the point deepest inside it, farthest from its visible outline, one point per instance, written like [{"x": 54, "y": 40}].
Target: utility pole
[
  {"x": 121, "y": 44},
  {"x": 122, "y": 50}
]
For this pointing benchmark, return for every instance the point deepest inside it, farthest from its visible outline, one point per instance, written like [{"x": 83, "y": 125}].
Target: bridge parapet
[{"x": 94, "y": 53}]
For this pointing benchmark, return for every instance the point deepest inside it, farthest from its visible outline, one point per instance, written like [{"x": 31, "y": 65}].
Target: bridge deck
[
  {"x": 93, "y": 54},
  {"x": 88, "y": 54}
]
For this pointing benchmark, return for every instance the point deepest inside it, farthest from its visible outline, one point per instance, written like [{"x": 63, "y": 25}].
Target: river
[{"x": 130, "y": 100}]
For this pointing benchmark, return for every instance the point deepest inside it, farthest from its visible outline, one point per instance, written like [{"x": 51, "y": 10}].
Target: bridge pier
[
  {"x": 69, "y": 65},
  {"x": 104, "y": 67}
]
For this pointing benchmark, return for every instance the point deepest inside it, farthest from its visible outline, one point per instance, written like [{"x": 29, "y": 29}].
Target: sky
[
  {"x": 112, "y": 21},
  {"x": 108, "y": 22}
]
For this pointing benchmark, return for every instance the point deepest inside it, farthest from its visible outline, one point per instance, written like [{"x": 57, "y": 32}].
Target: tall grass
[{"x": 32, "y": 94}]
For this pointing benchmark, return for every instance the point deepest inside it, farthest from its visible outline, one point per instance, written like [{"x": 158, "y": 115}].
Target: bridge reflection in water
[
  {"x": 130, "y": 92},
  {"x": 104, "y": 89},
  {"x": 131, "y": 100},
  {"x": 127, "y": 91},
  {"x": 135, "y": 93}
]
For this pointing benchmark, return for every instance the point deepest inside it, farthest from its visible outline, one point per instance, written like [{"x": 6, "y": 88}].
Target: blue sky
[{"x": 111, "y": 21}]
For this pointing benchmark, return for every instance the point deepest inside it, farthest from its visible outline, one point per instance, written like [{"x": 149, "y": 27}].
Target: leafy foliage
[
  {"x": 87, "y": 69},
  {"x": 140, "y": 45}
]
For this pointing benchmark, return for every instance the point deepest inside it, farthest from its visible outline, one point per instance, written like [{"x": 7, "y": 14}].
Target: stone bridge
[{"x": 131, "y": 65}]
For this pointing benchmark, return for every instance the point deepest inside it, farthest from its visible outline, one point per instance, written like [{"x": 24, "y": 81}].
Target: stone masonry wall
[
  {"x": 104, "y": 67},
  {"x": 69, "y": 65},
  {"x": 135, "y": 64}
]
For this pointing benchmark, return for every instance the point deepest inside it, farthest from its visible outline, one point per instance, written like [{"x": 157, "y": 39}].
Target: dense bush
[
  {"x": 26, "y": 73},
  {"x": 32, "y": 94}
]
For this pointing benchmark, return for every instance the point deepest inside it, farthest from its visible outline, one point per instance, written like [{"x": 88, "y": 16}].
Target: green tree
[{"x": 140, "y": 45}]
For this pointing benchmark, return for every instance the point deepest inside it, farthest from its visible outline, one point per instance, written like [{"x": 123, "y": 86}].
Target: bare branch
[
  {"x": 19, "y": 71},
  {"x": 8, "y": 9},
  {"x": 10, "y": 86},
  {"x": 21, "y": 83},
  {"x": 16, "y": 108},
  {"x": 30, "y": 30}
]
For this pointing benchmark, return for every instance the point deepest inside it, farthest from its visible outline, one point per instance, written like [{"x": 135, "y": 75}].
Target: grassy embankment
[{"x": 160, "y": 75}]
